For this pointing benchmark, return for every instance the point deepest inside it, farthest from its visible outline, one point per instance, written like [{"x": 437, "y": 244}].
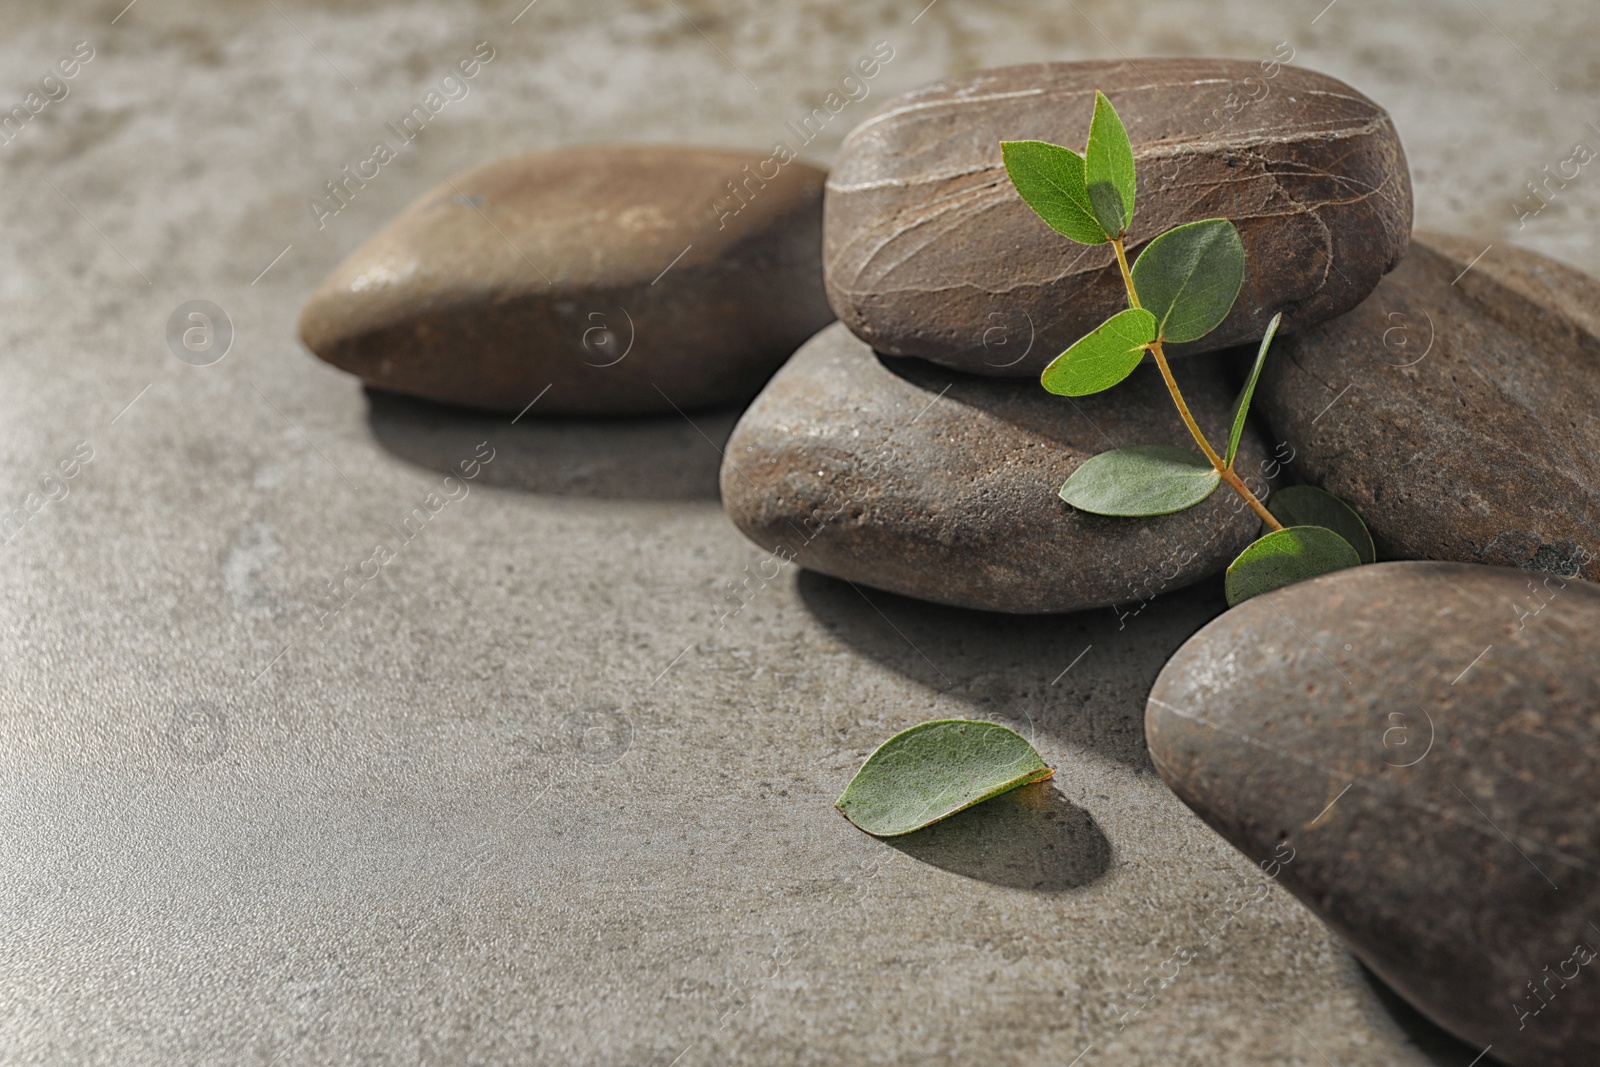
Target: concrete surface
[{"x": 523, "y": 800}]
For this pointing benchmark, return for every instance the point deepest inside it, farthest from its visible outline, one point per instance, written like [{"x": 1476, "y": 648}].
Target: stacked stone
[
  {"x": 936, "y": 475},
  {"x": 1410, "y": 748}
]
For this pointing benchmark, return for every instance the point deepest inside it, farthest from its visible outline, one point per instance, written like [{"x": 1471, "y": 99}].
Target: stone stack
[
  {"x": 916, "y": 452},
  {"x": 1411, "y": 748}
]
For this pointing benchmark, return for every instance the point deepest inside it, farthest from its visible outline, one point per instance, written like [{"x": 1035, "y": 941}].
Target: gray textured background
[{"x": 524, "y": 800}]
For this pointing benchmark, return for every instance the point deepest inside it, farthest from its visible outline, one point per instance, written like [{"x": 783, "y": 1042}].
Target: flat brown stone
[
  {"x": 617, "y": 276},
  {"x": 1417, "y": 746},
  {"x": 930, "y": 251},
  {"x": 1464, "y": 405},
  {"x": 910, "y": 477}
]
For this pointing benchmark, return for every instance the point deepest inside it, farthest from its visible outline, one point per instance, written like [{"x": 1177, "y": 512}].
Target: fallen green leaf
[
  {"x": 1306, "y": 505},
  {"x": 1241, "y": 406},
  {"x": 934, "y": 770},
  {"x": 1284, "y": 557},
  {"x": 1103, "y": 358},
  {"x": 1141, "y": 480},
  {"x": 1190, "y": 276},
  {"x": 1050, "y": 180},
  {"x": 1108, "y": 169}
]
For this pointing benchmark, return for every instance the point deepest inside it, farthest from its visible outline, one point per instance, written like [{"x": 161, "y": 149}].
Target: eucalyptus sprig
[{"x": 1180, "y": 288}]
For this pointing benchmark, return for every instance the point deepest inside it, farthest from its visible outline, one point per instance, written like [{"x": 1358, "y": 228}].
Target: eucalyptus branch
[{"x": 1182, "y": 286}]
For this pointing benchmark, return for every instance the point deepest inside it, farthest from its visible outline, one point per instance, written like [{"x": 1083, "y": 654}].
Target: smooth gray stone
[
  {"x": 909, "y": 477},
  {"x": 1455, "y": 409},
  {"x": 594, "y": 279},
  {"x": 929, "y": 250},
  {"x": 1413, "y": 750}
]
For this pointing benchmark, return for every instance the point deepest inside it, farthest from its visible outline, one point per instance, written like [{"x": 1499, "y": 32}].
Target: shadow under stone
[
  {"x": 641, "y": 457},
  {"x": 1080, "y": 678},
  {"x": 1440, "y": 1046},
  {"x": 1030, "y": 838}
]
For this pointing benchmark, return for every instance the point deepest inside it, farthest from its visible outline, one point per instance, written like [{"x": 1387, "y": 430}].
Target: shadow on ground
[
  {"x": 1441, "y": 1047},
  {"x": 650, "y": 457},
  {"x": 1081, "y": 679},
  {"x": 1030, "y": 838}
]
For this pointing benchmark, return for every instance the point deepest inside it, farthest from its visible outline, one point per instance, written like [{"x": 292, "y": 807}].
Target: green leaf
[
  {"x": 1050, "y": 179},
  {"x": 1306, "y": 505},
  {"x": 1241, "y": 406},
  {"x": 934, "y": 770},
  {"x": 1190, "y": 276},
  {"x": 1141, "y": 480},
  {"x": 1103, "y": 358},
  {"x": 1284, "y": 557},
  {"x": 1108, "y": 169}
]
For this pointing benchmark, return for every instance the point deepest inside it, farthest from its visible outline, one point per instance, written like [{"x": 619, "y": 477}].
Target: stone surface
[
  {"x": 940, "y": 485},
  {"x": 1417, "y": 744},
  {"x": 397, "y": 858},
  {"x": 930, "y": 251},
  {"x": 1455, "y": 409},
  {"x": 622, "y": 278}
]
